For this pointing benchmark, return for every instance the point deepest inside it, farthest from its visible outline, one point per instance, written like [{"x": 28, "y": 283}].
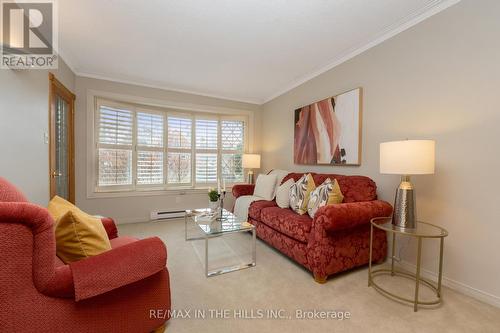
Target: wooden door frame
[{"x": 57, "y": 88}]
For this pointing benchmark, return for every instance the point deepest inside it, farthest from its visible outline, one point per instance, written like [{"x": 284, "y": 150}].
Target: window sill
[{"x": 149, "y": 193}]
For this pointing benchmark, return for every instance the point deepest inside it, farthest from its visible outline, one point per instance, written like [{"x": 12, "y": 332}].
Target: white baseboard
[
  {"x": 455, "y": 285},
  {"x": 128, "y": 220}
]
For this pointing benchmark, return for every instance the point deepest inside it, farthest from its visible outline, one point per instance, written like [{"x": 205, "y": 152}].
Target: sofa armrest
[
  {"x": 110, "y": 227},
  {"x": 349, "y": 215},
  {"x": 118, "y": 267},
  {"x": 242, "y": 189}
]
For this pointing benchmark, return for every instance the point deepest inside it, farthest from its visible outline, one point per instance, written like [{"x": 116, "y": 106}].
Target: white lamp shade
[
  {"x": 251, "y": 161},
  {"x": 408, "y": 157}
]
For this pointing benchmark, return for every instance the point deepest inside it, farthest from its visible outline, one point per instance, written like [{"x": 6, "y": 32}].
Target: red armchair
[{"x": 115, "y": 291}]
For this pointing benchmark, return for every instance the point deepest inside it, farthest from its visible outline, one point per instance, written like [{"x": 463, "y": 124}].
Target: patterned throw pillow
[
  {"x": 326, "y": 194},
  {"x": 299, "y": 193}
]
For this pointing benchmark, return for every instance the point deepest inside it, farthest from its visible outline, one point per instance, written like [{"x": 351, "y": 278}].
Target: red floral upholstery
[
  {"x": 110, "y": 226},
  {"x": 287, "y": 222},
  {"x": 242, "y": 189},
  {"x": 337, "y": 239},
  {"x": 354, "y": 188},
  {"x": 296, "y": 176},
  {"x": 349, "y": 215},
  {"x": 38, "y": 291},
  {"x": 256, "y": 207},
  {"x": 286, "y": 245}
]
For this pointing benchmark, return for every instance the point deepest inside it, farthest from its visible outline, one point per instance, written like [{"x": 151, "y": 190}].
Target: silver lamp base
[
  {"x": 250, "y": 177},
  {"x": 404, "y": 215}
]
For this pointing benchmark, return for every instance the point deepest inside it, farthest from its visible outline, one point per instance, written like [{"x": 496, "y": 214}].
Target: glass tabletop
[
  {"x": 206, "y": 219},
  {"x": 423, "y": 229}
]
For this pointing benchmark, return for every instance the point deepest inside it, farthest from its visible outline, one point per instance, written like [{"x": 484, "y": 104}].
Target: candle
[
  {"x": 218, "y": 186},
  {"x": 223, "y": 184}
]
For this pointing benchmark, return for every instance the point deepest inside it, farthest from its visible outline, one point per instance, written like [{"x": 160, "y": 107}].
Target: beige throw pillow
[
  {"x": 265, "y": 187},
  {"x": 283, "y": 194}
]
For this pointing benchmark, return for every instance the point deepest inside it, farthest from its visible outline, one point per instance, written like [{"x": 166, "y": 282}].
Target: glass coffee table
[{"x": 205, "y": 221}]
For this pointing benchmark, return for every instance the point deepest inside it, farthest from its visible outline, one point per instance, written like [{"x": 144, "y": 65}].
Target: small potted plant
[{"x": 213, "y": 199}]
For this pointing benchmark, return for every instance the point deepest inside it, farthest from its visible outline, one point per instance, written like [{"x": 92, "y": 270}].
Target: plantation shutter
[
  {"x": 179, "y": 150},
  {"x": 232, "y": 141},
  {"x": 115, "y": 128},
  {"x": 149, "y": 148},
  {"x": 206, "y": 141}
]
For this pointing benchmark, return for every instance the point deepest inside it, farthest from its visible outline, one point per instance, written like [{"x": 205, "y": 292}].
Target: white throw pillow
[
  {"x": 283, "y": 194},
  {"x": 265, "y": 187},
  {"x": 280, "y": 174}
]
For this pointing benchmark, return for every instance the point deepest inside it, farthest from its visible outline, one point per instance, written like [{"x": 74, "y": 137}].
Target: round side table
[{"x": 423, "y": 230}]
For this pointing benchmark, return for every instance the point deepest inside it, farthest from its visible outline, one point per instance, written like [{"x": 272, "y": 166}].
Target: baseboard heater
[{"x": 166, "y": 214}]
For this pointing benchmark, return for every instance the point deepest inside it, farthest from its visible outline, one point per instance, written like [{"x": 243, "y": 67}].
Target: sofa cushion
[
  {"x": 265, "y": 187},
  {"x": 287, "y": 222},
  {"x": 300, "y": 192},
  {"x": 78, "y": 234},
  {"x": 283, "y": 194},
  {"x": 256, "y": 207},
  {"x": 327, "y": 193}
]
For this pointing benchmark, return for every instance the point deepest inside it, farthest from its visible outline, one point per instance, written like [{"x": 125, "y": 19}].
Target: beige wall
[
  {"x": 24, "y": 120},
  {"x": 138, "y": 208},
  {"x": 438, "y": 80}
]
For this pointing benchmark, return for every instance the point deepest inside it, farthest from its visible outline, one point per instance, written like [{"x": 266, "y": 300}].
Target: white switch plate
[{"x": 46, "y": 138}]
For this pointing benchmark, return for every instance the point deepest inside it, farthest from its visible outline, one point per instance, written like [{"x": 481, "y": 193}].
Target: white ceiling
[{"x": 246, "y": 50}]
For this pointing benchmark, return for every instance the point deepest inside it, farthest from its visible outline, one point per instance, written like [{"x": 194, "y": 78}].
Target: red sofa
[
  {"x": 112, "y": 292},
  {"x": 337, "y": 239}
]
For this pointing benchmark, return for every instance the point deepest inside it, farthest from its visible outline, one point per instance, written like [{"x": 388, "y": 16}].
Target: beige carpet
[{"x": 277, "y": 283}]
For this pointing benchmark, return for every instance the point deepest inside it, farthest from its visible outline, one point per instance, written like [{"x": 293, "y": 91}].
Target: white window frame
[{"x": 177, "y": 109}]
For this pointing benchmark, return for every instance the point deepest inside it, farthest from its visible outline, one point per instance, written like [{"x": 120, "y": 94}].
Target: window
[
  {"x": 179, "y": 149},
  {"x": 207, "y": 143},
  {"x": 115, "y": 146},
  {"x": 232, "y": 132},
  {"x": 141, "y": 149}
]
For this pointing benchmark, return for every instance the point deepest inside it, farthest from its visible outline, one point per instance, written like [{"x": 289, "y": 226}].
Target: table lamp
[
  {"x": 251, "y": 161},
  {"x": 405, "y": 158}
]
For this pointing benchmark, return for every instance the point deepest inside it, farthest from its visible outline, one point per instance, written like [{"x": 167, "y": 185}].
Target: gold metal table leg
[
  {"x": 370, "y": 258},
  {"x": 393, "y": 252},
  {"x": 440, "y": 276},
  {"x": 417, "y": 275}
]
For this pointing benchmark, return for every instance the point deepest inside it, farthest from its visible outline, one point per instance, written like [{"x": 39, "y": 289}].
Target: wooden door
[{"x": 61, "y": 140}]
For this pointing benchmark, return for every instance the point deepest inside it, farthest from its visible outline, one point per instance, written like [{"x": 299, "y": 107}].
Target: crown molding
[
  {"x": 407, "y": 22},
  {"x": 166, "y": 87}
]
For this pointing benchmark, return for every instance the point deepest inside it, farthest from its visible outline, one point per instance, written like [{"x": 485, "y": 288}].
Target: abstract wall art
[{"x": 329, "y": 131}]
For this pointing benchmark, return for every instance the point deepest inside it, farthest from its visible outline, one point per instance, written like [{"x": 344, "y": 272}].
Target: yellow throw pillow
[
  {"x": 58, "y": 207},
  {"x": 300, "y": 192},
  {"x": 326, "y": 194},
  {"x": 78, "y": 234},
  {"x": 335, "y": 196}
]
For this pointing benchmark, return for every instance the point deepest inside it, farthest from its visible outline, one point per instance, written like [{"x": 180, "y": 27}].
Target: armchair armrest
[
  {"x": 242, "y": 189},
  {"x": 110, "y": 227},
  {"x": 118, "y": 267},
  {"x": 349, "y": 215}
]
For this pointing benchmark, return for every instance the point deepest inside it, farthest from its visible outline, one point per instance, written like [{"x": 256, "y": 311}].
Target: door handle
[{"x": 56, "y": 174}]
